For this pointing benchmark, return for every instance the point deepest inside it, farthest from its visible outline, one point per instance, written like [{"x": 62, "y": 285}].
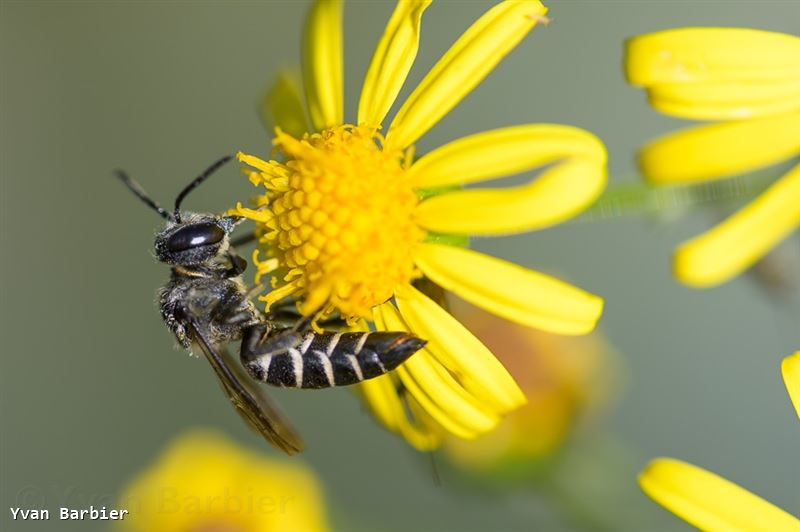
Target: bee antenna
[
  {"x": 137, "y": 189},
  {"x": 195, "y": 183}
]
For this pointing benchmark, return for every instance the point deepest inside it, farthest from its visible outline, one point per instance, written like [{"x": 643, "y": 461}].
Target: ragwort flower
[
  {"x": 204, "y": 483},
  {"x": 710, "y": 502},
  {"x": 350, "y": 219},
  {"x": 750, "y": 81}
]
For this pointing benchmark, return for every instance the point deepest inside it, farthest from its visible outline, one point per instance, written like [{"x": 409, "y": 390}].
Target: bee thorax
[{"x": 219, "y": 305}]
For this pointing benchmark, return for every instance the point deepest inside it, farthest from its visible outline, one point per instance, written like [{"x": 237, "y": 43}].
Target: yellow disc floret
[{"x": 338, "y": 217}]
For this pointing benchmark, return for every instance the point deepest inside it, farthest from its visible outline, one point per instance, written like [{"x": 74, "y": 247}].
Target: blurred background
[{"x": 91, "y": 390}]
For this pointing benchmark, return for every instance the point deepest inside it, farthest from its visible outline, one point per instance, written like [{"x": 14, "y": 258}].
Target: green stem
[{"x": 640, "y": 198}]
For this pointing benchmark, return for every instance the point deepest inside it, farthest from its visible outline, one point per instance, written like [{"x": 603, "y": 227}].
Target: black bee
[{"x": 206, "y": 305}]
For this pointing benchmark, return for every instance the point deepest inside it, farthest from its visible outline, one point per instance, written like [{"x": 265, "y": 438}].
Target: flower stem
[{"x": 628, "y": 198}]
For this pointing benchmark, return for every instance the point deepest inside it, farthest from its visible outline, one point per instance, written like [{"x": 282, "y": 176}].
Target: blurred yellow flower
[
  {"x": 350, "y": 218},
  {"x": 750, "y": 80},
  {"x": 710, "y": 502},
  {"x": 568, "y": 381},
  {"x": 205, "y": 483}
]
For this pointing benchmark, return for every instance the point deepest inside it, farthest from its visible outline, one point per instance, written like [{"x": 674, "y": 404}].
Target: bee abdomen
[
  {"x": 335, "y": 359},
  {"x": 360, "y": 356}
]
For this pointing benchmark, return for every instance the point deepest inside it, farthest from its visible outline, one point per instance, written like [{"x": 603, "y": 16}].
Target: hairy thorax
[{"x": 221, "y": 306}]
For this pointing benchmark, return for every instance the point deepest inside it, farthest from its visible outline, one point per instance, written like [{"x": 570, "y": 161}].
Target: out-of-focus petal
[
  {"x": 711, "y": 54},
  {"x": 708, "y": 501},
  {"x": 726, "y": 101},
  {"x": 475, "y": 367},
  {"x": 463, "y": 66},
  {"x": 282, "y": 106},
  {"x": 743, "y": 238},
  {"x": 205, "y": 466},
  {"x": 719, "y": 150},
  {"x": 322, "y": 64},
  {"x": 391, "y": 61},
  {"x": 717, "y": 73},
  {"x": 790, "y": 367},
  {"x": 511, "y": 291},
  {"x": 558, "y": 193}
]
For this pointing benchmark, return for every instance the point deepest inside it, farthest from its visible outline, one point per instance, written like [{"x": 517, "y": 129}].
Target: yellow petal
[
  {"x": 708, "y": 501},
  {"x": 255, "y": 162},
  {"x": 282, "y": 106},
  {"x": 711, "y": 54},
  {"x": 203, "y": 472},
  {"x": 510, "y": 291},
  {"x": 435, "y": 389},
  {"x": 717, "y": 73},
  {"x": 463, "y": 66},
  {"x": 440, "y": 395},
  {"x": 391, "y": 61},
  {"x": 790, "y": 367},
  {"x": 322, "y": 64},
  {"x": 381, "y": 397},
  {"x": 743, "y": 238},
  {"x": 260, "y": 216},
  {"x": 558, "y": 193},
  {"x": 503, "y": 152},
  {"x": 725, "y": 101},
  {"x": 719, "y": 150},
  {"x": 459, "y": 351}
]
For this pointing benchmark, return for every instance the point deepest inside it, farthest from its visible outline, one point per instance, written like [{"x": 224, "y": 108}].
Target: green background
[{"x": 91, "y": 389}]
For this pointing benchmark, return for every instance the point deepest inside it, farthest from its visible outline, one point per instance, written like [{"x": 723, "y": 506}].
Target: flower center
[{"x": 337, "y": 220}]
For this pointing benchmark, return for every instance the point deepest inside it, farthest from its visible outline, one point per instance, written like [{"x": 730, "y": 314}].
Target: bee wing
[{"x": 252, "y": 404}]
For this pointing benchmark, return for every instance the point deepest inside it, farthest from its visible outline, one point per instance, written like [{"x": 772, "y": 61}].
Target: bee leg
[
  {"x": 303, "y": 323},
  {"x": 259, "y": 341},
  {"x": 253, "y": 291},
  {"x": 238, "y": 265}
]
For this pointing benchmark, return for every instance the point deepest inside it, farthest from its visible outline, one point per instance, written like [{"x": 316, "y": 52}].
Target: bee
[{"x": 207, "y": 306}]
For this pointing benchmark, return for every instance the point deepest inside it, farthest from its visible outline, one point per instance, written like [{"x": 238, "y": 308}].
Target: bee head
[
  {"x": 188, "y": 239},
  {"x": 195, "y": 239}
]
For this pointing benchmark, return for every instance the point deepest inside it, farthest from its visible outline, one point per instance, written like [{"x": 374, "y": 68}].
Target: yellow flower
[
  {"x": 710, "y": 502},
  {"x": 749, "y": 80},
  {"x": 204, "y": 482},
  {"x": 350, "y": 218}
]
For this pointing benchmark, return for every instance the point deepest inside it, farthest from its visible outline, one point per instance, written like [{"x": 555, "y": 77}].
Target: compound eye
[{"x": 195, "y": 236}]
